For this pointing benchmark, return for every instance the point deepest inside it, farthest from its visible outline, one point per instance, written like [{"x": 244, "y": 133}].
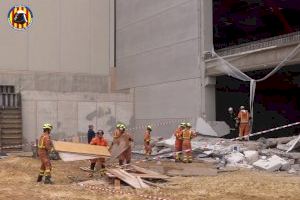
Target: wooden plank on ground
[
  {"x": 117, "y": 184},
  {"x": 128, "y": 178},
  {"x": 150, "y": 176},
  {"x": 67, "y": 157},
  {"x": 143, "y": 185},
  {"x": 148, "y": 172},
  {"x": 79, "y": 148}
]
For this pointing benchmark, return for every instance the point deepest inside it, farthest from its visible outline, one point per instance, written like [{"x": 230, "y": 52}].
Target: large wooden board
[
  {"x": 78, "y": 148},
  {"x": 120, "y": 145},
  {"x": 131, "y": 180},
  {"x": 67, "y": 157}
]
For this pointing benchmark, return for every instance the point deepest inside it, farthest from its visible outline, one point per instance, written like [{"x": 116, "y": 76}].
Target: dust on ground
[{"x": 18, "y": 176}]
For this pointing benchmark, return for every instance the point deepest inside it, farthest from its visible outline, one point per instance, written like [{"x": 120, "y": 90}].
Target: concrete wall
[
  {"x": 161, "y": 49},
  {"x": 71, "y": 113},
  {"x": 157, "y": 55},
  {"x": 71, "y": 36},
  {"x": 61, "y": 65}
]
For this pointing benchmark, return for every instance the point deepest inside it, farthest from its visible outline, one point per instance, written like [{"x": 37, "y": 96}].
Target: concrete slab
[
  {"x": 235, "y": 158},
  {"x": 271, "y": 164},
  {"x": 251, "y": 156},
  {"x": 212, "y": 128},
  {"x": 267, "y": 165}
]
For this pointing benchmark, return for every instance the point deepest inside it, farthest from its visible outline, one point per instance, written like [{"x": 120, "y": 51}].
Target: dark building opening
[
  {"x": 276, "y": 101},
  {"x": 241, "y": 21}
]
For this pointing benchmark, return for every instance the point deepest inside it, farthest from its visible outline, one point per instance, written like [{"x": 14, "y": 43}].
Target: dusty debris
[{"x": 225, "y": 152}]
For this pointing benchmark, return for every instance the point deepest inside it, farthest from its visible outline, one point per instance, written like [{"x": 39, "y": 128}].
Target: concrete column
[
  {"x": 207, "y": 103},
  {"x": 210, "y": 98}
]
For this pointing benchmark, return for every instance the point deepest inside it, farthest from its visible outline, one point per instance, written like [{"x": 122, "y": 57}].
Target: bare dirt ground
[{"x": 18, "y": 176}]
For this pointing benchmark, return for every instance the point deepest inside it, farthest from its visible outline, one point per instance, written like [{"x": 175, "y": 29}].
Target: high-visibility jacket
[
  {"x": 244, "y": 116},
  {"x": 45, "y": 142},
  {"x": 188, "y": 134},
  {"x": 100, "y": 141},
  {"x": 178, "y": 133},
  {"x": 147, "y": 137}
]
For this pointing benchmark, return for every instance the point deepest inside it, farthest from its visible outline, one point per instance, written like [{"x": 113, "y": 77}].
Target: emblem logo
[{"x": 20, "y": 17}]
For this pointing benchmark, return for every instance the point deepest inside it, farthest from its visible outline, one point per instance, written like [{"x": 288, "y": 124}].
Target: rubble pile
[{"x": 270, "y": 154}]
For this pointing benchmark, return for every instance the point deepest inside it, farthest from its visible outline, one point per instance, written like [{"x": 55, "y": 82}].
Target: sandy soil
[{"x": 18, "y": 176}]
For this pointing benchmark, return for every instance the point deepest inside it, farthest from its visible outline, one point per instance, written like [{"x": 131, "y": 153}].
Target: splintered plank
[
  {"x": 131, "y": 180},
  {"x": 79, "y": 148}
]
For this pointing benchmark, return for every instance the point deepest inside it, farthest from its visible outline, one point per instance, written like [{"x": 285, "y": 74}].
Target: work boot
[
  {"x": 120, "y": 162},
  {"x": 48, "y": 180},
  {"x": 92, "y": 167},
  {"x": 40, "y": 178}
]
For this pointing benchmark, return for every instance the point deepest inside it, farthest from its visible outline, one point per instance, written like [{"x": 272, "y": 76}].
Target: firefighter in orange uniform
[
  {"x": 178, "y": 141},
  {"x": 44, "y": 148},
  {"x": 244, "y": 121},
  {"x": 126, "y": 155},
  {"x": 100, "y": 141},
  {"x": 147, "y": 140},
  {"x": 187, "y": 136}
]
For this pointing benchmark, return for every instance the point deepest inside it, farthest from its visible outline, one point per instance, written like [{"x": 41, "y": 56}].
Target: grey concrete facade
[
  {"x": 71, "y": 113},
  {"x": 61, "y": 66},
  {"x": 161, "y": 55},
  {"x": 158, "y": 55}
]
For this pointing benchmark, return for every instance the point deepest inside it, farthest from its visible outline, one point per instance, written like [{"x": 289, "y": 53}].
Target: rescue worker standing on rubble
[
  {"x": 244, "y": 123},
  {"x": 147, "y": 140},
  {"x": 44, "y": 148},
  {"x": 100, "y": 141},
  {"x": 178, "y": 141},
  {"x": 187, "y": 136}
]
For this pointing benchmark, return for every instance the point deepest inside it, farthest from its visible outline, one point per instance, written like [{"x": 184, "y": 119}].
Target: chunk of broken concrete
[
  {"x": 296, "y": 167},
  {"x": 267, "y": 165},
  {"x": 272, "y": 164},
  {"x": 235, "y": 158},
  {"x": 251, "y": 156}
]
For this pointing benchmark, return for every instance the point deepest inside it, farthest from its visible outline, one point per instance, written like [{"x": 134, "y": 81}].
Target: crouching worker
[
  {"x": 100, "y": 141},
  {"x": 187, "y": 136},
  {"x": 44, "y": 148}
]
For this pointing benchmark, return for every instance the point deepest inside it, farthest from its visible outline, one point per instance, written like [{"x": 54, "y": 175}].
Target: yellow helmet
[
  {"x": 122, "y": 127},
  {"x": 182, "y": 124},
  {"x": 149, "y": 127},
  {"x": 47, "y": 126},
  {"x": 118, "y": 125},
  {"x": 188, "y": 125}
]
